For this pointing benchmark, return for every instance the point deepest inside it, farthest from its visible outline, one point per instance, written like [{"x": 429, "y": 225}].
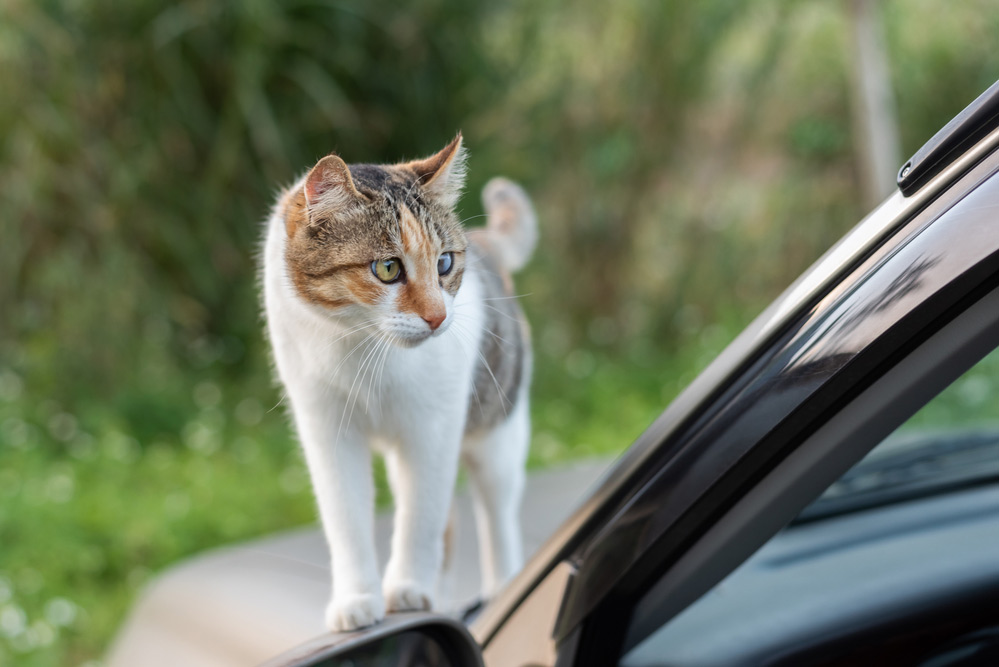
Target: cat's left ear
[{"x": 442, "y": 175}]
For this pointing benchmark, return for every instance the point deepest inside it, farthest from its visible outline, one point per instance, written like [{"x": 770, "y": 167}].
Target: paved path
[{"x": 241, "y": 605}]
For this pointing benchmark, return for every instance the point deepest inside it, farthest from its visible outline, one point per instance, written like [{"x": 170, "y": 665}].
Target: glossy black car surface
[{"x": 887, "y": 319}]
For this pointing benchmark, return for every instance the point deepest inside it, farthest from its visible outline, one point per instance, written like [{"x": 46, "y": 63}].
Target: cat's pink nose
[{"x": 434, "y": 320}]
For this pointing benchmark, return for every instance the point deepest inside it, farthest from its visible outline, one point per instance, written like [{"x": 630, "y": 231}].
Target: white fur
[
  {"x": 350, "y": 394},
  {"x": 447, "y": 183}
]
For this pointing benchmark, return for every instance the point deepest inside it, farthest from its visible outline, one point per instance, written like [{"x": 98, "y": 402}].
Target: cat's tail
[{"x": 511, "y": 225}]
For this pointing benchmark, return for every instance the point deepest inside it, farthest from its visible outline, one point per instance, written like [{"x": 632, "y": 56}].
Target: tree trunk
[{"x": 875, "y": 120}]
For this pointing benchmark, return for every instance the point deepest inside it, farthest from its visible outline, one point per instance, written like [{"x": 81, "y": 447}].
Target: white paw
[
  {"x": 407, "y": 596},
  {"x": 352, "y": 612}
]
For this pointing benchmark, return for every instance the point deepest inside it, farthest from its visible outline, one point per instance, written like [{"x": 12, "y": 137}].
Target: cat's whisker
[
  {"x": 489, "y": 331},
  {"x": 370, "y": 373},
  {"x": 473, "y": 217},
  {"x": 418, "y": 181},
  {"x": 367, "y": 374},
  {"x": 464, "y": 338},
  {"x": 504, "y": 314},
  {"x": 504, "y": 401},
  {"x": 326, "y": 346},
  {"x": 366, "y": 325},
  {"x": 392, "y": 339},
  {"x": 351, "y": 396},
  {"x": 476, "y": 262},
  {"x": 378, "y": 368},
  {"x": 495, "y": 335},
  {"x": 348, "y": 400},
  {"x": 374, "y": 365},
  {"x": 379, "y": 360},
  {"x": 369, "y": 363},
  {"x": 347, "y": 356},
  {"x": 280, "y": 400},
  {"x": 493, "y": 308},
  {"x": 507, "y": 298}
]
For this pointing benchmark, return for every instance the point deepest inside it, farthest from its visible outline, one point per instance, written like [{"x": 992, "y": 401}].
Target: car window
[{"x": 897, "y": 562}]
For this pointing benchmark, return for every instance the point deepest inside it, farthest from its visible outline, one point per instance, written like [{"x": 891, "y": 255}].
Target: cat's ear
[
  {"x": 329, "y": 187},
  {"x": 442, "y": 175}
]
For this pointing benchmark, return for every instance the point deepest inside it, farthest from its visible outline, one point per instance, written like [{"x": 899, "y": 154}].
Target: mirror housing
[{"x": 413, "y": 639}]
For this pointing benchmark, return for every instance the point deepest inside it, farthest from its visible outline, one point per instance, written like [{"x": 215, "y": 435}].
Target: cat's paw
[
  {"x": 353, "y": 612},
  {"x": 407, "y": 596}
]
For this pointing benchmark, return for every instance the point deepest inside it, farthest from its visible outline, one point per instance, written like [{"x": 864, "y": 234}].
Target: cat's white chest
[{"x": 379, "y": 388}]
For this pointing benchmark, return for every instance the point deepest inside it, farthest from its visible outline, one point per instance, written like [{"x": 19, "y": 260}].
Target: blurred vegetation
[{"x": 688, "y": 160}]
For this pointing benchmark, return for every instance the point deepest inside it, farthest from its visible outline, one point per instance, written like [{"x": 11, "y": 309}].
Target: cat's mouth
[
  {"x": 410, "y": 338},
  {"x": 411, "y": 341}
]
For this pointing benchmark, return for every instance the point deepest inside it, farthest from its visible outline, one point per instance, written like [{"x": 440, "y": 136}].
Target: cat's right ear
[{"x": 329, "y": 188}]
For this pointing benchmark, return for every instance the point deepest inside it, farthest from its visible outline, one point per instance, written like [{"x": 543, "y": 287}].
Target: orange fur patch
[
  {"x": 427, "y": 303},
  {"x": 415, "y": 240},
  {"x": 296, "y": 215},
  {"x": 361, "y": 284},
  {"x": 421, "y": 294},
  {"x": 307, "y": 288}
]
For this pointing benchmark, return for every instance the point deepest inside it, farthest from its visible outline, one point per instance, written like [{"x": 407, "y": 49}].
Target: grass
[
  {"x": 87, "y": 518},
  {"x": 971, "y": 401}
]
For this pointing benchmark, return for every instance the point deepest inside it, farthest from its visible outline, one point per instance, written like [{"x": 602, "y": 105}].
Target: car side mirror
[{"x": 402, "y": 640}]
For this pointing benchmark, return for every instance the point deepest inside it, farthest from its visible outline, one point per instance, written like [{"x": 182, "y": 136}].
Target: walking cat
[{"x": 396, "y": 331}]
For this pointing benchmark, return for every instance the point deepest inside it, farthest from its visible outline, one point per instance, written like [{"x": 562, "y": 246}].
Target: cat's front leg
[
  {"x": 340, "y": 467},
  {"x": 422, "y": 471}
]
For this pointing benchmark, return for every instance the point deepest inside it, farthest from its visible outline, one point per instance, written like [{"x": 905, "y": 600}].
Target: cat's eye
[
  {"x": 387, "y": 270},
  {"x": 444, "y": 263}
]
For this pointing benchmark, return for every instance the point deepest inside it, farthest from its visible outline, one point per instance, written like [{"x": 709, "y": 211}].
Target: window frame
[{"x": 595, "y": 613}]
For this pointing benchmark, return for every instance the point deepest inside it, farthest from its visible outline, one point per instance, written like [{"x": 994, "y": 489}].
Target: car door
[{"x": 893, "y": 314}]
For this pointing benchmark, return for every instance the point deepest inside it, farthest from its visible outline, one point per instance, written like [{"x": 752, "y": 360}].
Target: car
[{"x": 826, "y": 492}]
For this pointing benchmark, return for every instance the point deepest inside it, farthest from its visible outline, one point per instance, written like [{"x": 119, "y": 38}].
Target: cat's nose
[{"x": 434, "y": 319}]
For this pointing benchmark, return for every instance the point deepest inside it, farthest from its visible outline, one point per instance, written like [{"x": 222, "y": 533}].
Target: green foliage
[
  {"x": 971, "y": 402},
  {"x": 687, "y": 159},
  {"x": 939, "y": 68},
  {"x": 86, "y": 516}
]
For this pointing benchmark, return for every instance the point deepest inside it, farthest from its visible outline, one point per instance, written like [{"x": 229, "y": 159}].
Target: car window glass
[{"x": 896, "y": 562}]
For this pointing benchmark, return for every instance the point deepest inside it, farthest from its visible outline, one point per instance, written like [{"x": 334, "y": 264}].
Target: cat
[{"x": 396, "y": 331}]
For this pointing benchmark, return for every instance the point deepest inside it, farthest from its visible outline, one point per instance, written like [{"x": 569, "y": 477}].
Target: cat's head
[{"x": 380, "y": 246}]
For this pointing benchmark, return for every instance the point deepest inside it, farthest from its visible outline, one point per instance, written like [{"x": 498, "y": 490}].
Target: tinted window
[{"x": 896, "y": 563}]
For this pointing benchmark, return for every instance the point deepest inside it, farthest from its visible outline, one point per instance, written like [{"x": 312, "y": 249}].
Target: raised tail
[{"x": 511, "y": 224}]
